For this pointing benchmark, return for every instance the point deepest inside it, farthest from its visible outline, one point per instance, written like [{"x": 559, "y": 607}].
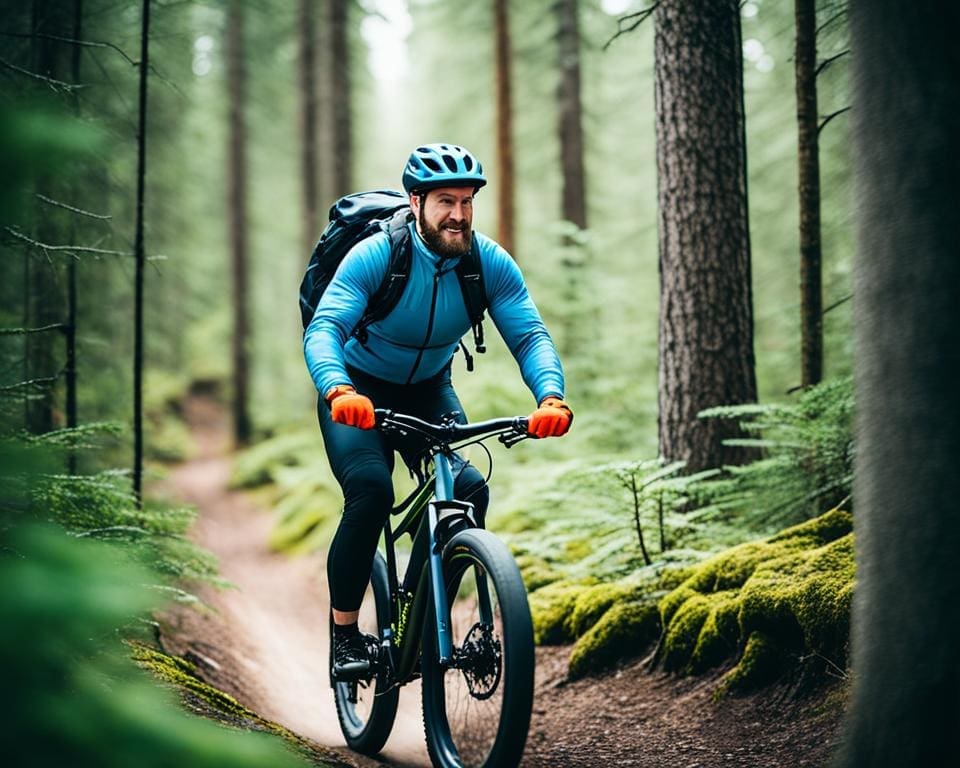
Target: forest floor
[{"x": 264, "y": 642}]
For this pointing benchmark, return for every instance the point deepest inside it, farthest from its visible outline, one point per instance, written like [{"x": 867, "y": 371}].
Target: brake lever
[{"x": 510, "y": 439}]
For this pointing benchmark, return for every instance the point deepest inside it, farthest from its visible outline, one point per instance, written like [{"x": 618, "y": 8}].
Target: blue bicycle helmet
[{"x": 442, "y": 165}]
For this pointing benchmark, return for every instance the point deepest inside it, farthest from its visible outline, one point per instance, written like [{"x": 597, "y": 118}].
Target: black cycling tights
[{"x": 362, "y": 461}]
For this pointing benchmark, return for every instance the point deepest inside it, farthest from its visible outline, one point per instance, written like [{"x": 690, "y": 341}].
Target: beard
[{"x": 433, "y": 237}]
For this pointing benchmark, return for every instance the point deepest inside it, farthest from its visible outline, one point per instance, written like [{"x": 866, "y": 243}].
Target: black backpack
[{"x": 360, "y": 215}]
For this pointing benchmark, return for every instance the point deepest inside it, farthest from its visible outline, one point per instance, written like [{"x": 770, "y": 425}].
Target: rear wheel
[
  {"x": 477, "y": 712},
  {"x": 366, "y": 708}
]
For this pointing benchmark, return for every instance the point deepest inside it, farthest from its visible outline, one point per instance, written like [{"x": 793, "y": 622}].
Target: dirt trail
[{"x": 266, "y": 644}]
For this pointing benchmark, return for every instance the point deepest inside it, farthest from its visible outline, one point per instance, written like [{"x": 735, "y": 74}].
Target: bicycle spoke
[{"x": 472, "y": 692}]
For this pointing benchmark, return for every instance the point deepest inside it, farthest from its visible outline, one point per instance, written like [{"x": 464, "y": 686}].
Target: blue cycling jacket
[{"x": 419, "y": 337}]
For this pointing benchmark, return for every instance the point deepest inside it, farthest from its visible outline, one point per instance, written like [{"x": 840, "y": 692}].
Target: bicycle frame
[{"x": 434, "y": 497}]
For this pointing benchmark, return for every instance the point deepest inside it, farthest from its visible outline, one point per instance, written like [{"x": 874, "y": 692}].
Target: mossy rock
[
  {"x": 786, "y": 597},
  {"x": 626, "y": 630},
  {"x": 550, "y": 606}
]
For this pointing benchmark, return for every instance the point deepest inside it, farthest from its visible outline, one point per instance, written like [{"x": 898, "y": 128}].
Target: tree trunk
[
  {"x": 140, "y": 257},
  {"x": 706, "y": 315},
  {"x": 504, "y": 122},
  {"x": 808, "y": 156},
  {"x": 71, "y": 329},
  {"x": 339, "y": 113},
  {"x": 307, "y": 67},
  {"x": 43, "y": 298},
  {"x": 237, "y": 217},
  {"x": 906, "y": 627},
  {"x": 571, "y": 115}
]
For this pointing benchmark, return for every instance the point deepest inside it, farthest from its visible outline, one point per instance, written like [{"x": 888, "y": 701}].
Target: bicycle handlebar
[{"x": 512, "y": 429}]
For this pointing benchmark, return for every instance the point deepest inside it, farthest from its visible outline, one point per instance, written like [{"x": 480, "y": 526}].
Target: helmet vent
[
  {"x": 450, "y": 163},
  {"x": 432, "y": 164},
  {"x": 468, "y": 162}
]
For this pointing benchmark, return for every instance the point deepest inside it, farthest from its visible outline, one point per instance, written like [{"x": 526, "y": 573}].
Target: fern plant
[
  {"x": 101, "y": 505},
  {"x": 806, "y": 463}
]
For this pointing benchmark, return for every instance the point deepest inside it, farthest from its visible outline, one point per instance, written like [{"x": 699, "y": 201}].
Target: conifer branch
[
  {"x": 830, "y": 117},
  {"x": 41, "y": 329},
  {"x": 829, "y": 60},
  {"x": 71, "y": 41},
  {"x": 56, "y": 85},
  {"x": 838, "y": 302},
  {"x": 70, "y": 249},
  {"x": 58, "y": 204},
  {"x": 637, "y": 18},
  {"x": 43, "y": 380}
]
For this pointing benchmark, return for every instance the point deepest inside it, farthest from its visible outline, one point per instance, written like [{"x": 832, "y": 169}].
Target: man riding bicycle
[{"x": 404, "y": 362}]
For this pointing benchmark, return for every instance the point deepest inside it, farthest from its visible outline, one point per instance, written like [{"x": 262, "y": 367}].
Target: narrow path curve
[
  {"x": 265, "y": 643},
  {"x": 265, "y": 640}
]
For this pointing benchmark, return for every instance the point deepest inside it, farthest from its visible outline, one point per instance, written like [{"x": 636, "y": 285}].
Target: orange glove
[
  {"x": 552, "y": 419},
  {"x": 347, "y": 407}
]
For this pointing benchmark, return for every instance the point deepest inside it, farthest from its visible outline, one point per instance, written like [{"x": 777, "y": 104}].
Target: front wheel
[
  {"x": 477, "y": 712},
  {"x": 367, "y": 708}
]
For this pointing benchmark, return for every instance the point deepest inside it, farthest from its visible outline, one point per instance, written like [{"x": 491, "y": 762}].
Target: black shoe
[{"x": 352, "y": 658}]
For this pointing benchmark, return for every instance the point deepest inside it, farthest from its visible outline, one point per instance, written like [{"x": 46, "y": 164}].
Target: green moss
[
  {"x": 779, "y": 600},
  {"x": 763, "y": 660},
  {"x": 211, "y": 702},
  {"x": 591, "y": 604},
  {"x": 550, "y": 607},
  {"x": 683, "y": 632},
  {"x": 625, "y": 630},
  {"x": 807, "y": 594},
  {"x": 719, "y": 633},
  {"x": 536, "y": 571}
]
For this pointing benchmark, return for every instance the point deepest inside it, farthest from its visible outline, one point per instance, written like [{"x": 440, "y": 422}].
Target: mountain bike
[{"x": 464, "y": 629}]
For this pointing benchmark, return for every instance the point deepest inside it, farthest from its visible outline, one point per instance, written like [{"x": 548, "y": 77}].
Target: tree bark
[
  {"x": 906, "y": 627},
  {"x": 808, "y": 157},
  {"x": 43, "y": 285},
  {"x": 139, "y": 251},
  {"x": 307, "y": 70},
  {"x": 71, "y": 329},
  {"x": 504, "y": 122},
  {"x": 237, "y": 217},
  {"x": 706, "y": 314},
  {"x": 339, "y": 89},
  {"x": 571, "y": 115}
]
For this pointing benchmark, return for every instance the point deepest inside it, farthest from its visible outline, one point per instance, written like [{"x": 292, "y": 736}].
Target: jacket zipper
[{"x": 426, "y": 338}]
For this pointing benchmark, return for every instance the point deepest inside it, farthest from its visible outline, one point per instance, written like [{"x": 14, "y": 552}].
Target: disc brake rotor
[{"x": 480, "y": 660}]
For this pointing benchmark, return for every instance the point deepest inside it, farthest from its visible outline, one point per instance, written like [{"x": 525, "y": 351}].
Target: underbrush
[{"x": 618, "y": 558}]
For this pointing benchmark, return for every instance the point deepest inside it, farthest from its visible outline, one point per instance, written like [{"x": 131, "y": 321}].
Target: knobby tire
[
  {"x": 366, "y": 724},
  {"x": 478, "y": 716}
]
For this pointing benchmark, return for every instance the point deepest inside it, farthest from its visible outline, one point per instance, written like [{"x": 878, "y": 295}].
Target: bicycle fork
[{"x": 445, "y": 517}]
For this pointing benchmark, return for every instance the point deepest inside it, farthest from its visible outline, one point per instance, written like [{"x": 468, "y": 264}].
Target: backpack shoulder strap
[
  {"x": 385, "y": 298},
  {"x": 470, "y": 275}
]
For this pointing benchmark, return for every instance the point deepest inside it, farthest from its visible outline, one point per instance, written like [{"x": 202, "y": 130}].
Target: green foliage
[
  {"x": 101, "y": 505},
  {"x": 76, "y": 694},
  {"x": 806, "y": 463},
  {"x": 301, "y": 490}
]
